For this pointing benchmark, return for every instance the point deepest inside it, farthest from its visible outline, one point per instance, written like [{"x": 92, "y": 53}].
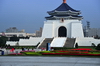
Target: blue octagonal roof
[{"x": 64, "y": 7}]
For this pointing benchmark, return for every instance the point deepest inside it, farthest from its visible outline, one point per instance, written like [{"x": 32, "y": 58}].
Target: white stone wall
[
  {"x": 73, "y": 27},
  {"x": 48, "y": 30},
  {"x": 87, "y": 41},
  {"x": 32, "y": 41},
  {"x": 76, "y": 30},
  {"x": 58, "y": 24},
  {"x": 11, "y": 43}
]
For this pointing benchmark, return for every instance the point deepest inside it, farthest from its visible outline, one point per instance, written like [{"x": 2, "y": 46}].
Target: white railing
[{"x": 40, "y": 43}]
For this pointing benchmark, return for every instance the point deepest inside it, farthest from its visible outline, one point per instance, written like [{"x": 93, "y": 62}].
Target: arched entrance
[{"x": 62, "y": 32}]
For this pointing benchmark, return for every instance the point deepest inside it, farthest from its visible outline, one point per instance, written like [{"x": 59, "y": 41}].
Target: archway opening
[{"x": 62, "y": 32}]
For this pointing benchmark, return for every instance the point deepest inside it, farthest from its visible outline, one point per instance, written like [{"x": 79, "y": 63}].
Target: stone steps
[
  {"x": 70, "y": 42},
  {"x": 44, "y": 43}
]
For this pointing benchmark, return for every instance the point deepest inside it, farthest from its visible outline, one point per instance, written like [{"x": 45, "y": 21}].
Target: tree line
[{"x": 3, "y": 39}]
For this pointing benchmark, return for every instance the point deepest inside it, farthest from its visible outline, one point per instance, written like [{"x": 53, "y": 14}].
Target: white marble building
[{"x": 63, "y": 28}]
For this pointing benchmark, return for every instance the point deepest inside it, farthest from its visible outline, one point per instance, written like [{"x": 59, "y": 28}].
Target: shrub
[
  {"x": 44, "y": 51},
  {"x": 31, "y": 53},
  {"x": 76, "y": 45},
  {"x": 93, "y": 45},
  {"x": 98, "y": 47}
]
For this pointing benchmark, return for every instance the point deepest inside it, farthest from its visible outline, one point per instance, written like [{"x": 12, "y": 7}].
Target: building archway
[{"x": 62, "y": 32}]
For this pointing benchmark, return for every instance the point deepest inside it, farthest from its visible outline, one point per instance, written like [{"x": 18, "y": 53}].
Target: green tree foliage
[
  {"x": 97, "y": 37},
  {"x": 93, "y": 45},
  {"x": 3, "y": 40},
  {"x": 76, "y": 45},
  {"x": 98, "y": 47},
  {"x": 15, "y": 38}
]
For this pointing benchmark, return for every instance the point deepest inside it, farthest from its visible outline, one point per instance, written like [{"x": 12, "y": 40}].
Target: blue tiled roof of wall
[{"x": 64, "y": 7}]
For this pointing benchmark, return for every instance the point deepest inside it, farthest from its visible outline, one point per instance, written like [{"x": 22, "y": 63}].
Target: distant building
[
  {"x": 39, "y": 32},
  {"x": 14, "y": 34},
  {"x": 18, "y": 34},
  {"x": 14, "y": 30},
  {"x": 92, "y": 32}
]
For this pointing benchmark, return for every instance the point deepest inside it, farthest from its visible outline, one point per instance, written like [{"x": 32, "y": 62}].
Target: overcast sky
[{"x": 30, "y": 14}]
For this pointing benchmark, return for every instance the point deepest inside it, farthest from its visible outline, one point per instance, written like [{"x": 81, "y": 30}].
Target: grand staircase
[
  {"x": 70, "y": 42},
  {"x": 58, "y": 42},
  {"x": 44, "y": 42}
]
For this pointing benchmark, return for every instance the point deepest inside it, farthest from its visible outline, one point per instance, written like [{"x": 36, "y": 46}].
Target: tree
[
  {"x": 3, "y": 40},
  {"x": 14, "y": 38},
  {"x": 93, "y": 45},
  {"x": 98, "y": 47},
  {"x": 76, "y": 45},
  {"x": 97, "y": 37},
  {"x": 17, "y": 44}
]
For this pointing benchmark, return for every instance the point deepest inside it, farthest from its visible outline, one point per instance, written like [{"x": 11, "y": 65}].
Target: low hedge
[
  {"x": 32, "y": 53},
  {"x": 62, "y": 52}
]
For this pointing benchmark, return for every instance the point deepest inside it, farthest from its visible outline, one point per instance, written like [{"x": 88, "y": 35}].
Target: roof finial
[{"x": 64, "y": 1}]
